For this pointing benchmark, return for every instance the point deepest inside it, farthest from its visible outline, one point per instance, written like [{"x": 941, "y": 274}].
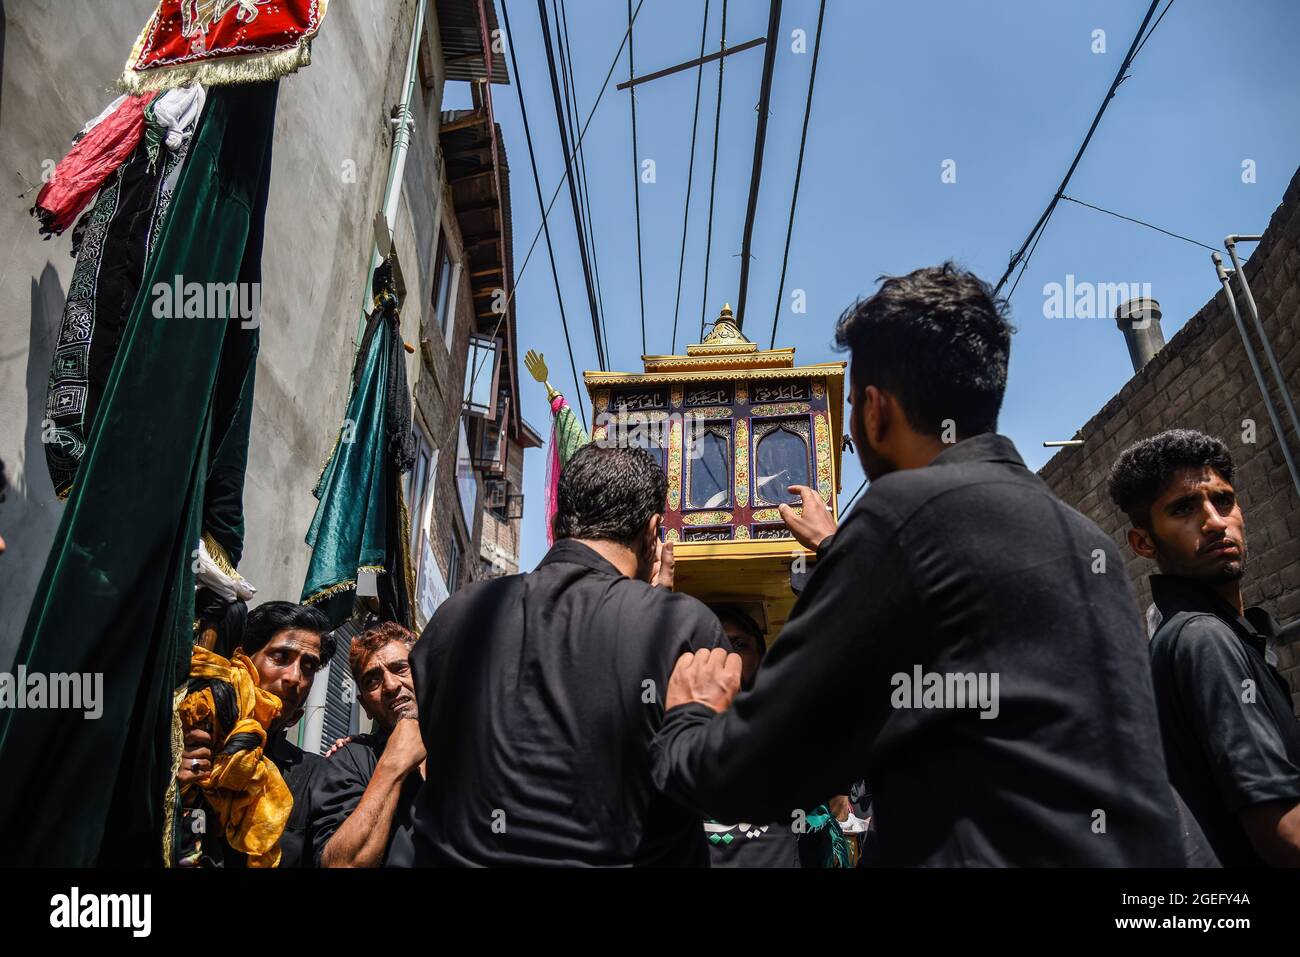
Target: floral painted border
[
  {"x": 677, "y": 396},
  {"x": 600, "y": 401},
  {"x": 771, "y": 514},
  {"x": 742, "y": 533},
  {"x": 742, "y": 462},
  {"x": 822, "y": 429},
  {"x": 709, "y": 412},
  {"x": 675, "y": 466},
  {"x": 672, "y": 535},
  {"x": 819, "y": 389},
  {"x": 742, "y": 393},
  {"x": 782, "y": 408},
  {"x": 706, "y": 518}
]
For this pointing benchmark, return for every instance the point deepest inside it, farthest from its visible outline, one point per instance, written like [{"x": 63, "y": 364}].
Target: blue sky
[{"x": 1005, "y": 88}]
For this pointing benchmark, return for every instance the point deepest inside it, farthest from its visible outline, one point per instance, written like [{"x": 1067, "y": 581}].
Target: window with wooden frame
[{"x": 781, "y": 457}]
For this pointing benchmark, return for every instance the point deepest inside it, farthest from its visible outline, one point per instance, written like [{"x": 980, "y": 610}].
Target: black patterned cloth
[{"x": 111, "y": 244}]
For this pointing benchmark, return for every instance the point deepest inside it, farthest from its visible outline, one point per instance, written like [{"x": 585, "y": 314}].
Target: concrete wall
[
  {"x": 1202, "y": 380},
  {"x": 332, "y": 147}
]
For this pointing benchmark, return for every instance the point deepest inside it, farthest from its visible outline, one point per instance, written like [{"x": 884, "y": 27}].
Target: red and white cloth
[
  {"x": 107, "y": 141},
  {"x": 217, "y": 42}
]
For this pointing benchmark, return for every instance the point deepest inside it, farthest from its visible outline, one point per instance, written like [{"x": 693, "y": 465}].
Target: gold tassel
[
  {"x": 250, "y": 68},
  {"x": 169, "y": 797}
]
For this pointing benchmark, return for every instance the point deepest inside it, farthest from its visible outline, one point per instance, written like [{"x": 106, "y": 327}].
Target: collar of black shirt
[
  {"x": 575, "y": 553},
  {"x": 1174, "y": 593},
  {"x": 986, "y": 447}
]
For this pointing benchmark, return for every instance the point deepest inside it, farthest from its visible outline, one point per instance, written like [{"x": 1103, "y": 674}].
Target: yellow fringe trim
[
  {"x": 347, "y": 585},
  {"x": 220, "y": 557},
  {"x": 404, "y": 541},
  {"x": 169, "y": 797},
  {"x": 248, "y": 68}
]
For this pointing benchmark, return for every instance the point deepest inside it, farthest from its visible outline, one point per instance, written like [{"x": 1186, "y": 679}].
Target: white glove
[{"x": 211, "y": 576}]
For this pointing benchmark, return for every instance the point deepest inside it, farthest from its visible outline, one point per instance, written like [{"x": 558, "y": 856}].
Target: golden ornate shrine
[{"x": 733, "y": 425}]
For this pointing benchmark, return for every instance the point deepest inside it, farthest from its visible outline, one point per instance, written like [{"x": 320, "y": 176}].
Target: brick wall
[{"x": 1202, "y": 380}]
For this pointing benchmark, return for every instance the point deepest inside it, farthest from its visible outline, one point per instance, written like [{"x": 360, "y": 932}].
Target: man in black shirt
[
  {"x": 1231, "y": 738},
  {"x": 745, "y": 844},
  {"x": 539, "y": 694},
  {"x": 288, "y": 645},
  {"x": 362, "y": 800},
  {"x": 966, "y": 641}
]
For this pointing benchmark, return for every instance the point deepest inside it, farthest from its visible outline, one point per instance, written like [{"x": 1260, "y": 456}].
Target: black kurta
[
  {"x": 299, "y": 769},
  {"x": 969, "y": 565},
  {"x": 539, "y": 696},
  {"x": 1230, "y": 735},
  {"x": 339, "y": 787}
]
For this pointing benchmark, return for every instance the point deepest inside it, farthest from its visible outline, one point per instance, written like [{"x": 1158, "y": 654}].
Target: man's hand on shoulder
[{"x": 710, "y": 677}]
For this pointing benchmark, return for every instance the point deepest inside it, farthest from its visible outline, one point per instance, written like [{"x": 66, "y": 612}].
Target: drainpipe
[
  {"x": 1230, "y": 243},
  {"x": 1224, "y": 279},
  {"x": 403, "y": 124}
]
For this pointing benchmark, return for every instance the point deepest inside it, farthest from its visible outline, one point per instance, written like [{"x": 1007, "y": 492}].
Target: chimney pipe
[{"x": 1139, "y": 320}]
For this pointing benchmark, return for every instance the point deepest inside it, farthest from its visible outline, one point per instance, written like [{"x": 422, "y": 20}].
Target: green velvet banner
[
  {"x": 117, "y": 595},
  {"x": 349, "y": 532}
]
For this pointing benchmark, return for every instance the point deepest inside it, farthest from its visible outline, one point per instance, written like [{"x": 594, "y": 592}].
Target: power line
[
  {"x": 713, "y": 179},
  {"x": 760, "y": 144},
  {"x": 571, "y": 90},
  {"x": 573, "y": 191},
  {"x": 690, "y": 174},
  {"x": 798, "y": 170},
  {"x": 1140, "y": 222},
  {"x": 550, "y": 250},
  {"x": 1153, "y": 29},
  {"x": 852, "y": 498},
  {"x": 636, "y": 176},
  {"x": 1056, "y": 197},
  {"x": 618, "y": 54}
]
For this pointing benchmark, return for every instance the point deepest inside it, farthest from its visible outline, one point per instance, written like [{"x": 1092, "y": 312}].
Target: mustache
[{"x": 1221, "y": 540}]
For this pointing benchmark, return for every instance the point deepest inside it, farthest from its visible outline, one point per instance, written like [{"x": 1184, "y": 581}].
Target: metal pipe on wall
[
  {"x": 403, "y": 123},
  {"x": 1230, "y": 243},
  {"x": 1225, "y": 280}
]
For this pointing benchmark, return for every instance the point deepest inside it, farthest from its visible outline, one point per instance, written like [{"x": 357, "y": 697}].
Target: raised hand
[
  {"x": 815, "y": 525},
  {"x": 536, "y": 364}
]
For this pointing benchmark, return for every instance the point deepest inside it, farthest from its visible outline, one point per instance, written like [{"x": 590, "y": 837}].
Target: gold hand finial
[{"x": 536, "y": 365}]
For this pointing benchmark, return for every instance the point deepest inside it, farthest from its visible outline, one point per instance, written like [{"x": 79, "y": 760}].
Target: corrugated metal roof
[{"x": 462, "y": 43}]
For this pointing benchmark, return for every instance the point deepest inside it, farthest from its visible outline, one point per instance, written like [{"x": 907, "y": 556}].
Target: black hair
[
  {"x": 4, "y": 482},
  {"x": 226, "y": 617},
  {"x": 1144, "y": 468},
  {"x": 742, "y": 619},
  {"x": 939, "y": 340},
  {"x": 608, "y": 493},
  {"x": 270, "y": 618}
]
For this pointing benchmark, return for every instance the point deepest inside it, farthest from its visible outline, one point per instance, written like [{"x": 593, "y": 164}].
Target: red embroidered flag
[{"x": 215, "y": 42}]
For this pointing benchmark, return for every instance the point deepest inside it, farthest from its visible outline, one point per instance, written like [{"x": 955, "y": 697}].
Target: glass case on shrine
[{"x": 733, "y": 426}]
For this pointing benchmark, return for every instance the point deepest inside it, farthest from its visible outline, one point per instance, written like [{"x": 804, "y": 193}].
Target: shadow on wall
[
  {"x": 2, "y": 55},
  {"x": 31, "y": 511}
]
